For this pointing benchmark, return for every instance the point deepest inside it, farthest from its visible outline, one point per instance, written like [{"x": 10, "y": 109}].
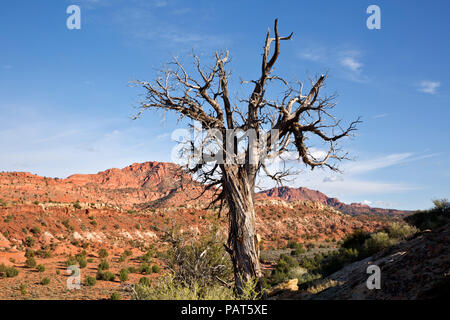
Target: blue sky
[{"x": 66, "y": 104}]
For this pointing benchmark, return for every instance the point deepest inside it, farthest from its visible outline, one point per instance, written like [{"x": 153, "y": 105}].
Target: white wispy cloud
[
  {"x": 355, "y": 179},
  {"x": 348, "y": 63},
  {"x": 352, "y": 64},
  {"x": 381, "y": 115},
  {"x": 358, "y": 167},
  {"x": 428, "y": 86},
  {"x": 51, "y": 146},
  {"x": 315, "y": 54}
]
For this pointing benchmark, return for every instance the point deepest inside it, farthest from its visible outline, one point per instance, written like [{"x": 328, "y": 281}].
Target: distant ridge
[
  {"x": 302, "y": 194},
  {"x": 148, "y": 184}
]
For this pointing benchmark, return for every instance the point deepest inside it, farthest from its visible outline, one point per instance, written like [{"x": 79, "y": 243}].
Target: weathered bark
[{"x": 242, "y": 239}]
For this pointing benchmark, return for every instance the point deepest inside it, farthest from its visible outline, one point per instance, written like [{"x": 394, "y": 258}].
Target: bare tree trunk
[{"x": 242, "y": 239}]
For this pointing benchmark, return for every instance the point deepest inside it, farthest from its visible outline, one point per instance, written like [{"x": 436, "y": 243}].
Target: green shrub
[
  {"x": 30, "y": 262},
  {"x": 40, "y": 268},
  {"x": 145, "y": 268},
  {"x": 81, "y": 259},
  {"x": 102, "y": 253},
  {"x": 377, "y": 242},
  {"x": 156, "y": 269},
  {"x": 23, "y": 289},
  {"x": 67, "y": 224},
  {"x": 147, "y": 257},
  {"x": 90, "y": 281},
  {"x": 45, "y": 281},
  {"x": 168, "y": 288},
  {"x": 35, "y": 230},
  {"x": 106, "y": 276},
  {"x": 123, "y": 275},
  {"x": 29, "y": 241},
  {"x": 433, "y": 218},
  {"x": 29, "y": 253},
  {"x": 401, "y": 231},
  {"x": 8, "y": 272},
  {"x": 144, "y": 281},
  {"x": 297, "y": 248},
  {"x": 116, "y": 296},
  {"x": 44, "y": 254},
  {"x": 77, "y": 205},
  {"x": 132, "y": 269},
  {"x": 71, "y": 261},
  {"x": 127, "y": 253},
  {"x": 104, "y": 265},
  {"x": 282, "y": 269},
  {"x": 356, "y": 240},
  {"x": 200, "y": 262}
]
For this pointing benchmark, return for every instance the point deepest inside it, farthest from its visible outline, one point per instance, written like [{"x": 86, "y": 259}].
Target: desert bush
[
  {"x": 45, "y": 281},
  {"x": 377, "y": 242},
  {"x": 145, "y": 268},
  {"x": 201, "y": 261},
  {"x": 401, "y": 231},
  {"x": 132, "y": 269},
  {"x": 292, "y": 244},
  {"x": 44, "y": 254},
  {"x": 156, "y": 269},
  {"x": 71, "y": 261},
  {"x": 167, "y": 288},
  {"x": 147, "y": 257},
  {"x": 30, "y": 262},
  {"x": 104, "y": 265},
  {"x": 35, "y": 230},
  {"x": 297, "y": 248},
  {"x": 90, "y": 281},
  {"x": 29, "y": 241},
  {"x": 116, "y": 296},
  {"x": 144, "y": 281},
  {"x": 82, "y": 262},
  {"x": 8, "y": 272},
  {"x": 66, "y": 224},
  {"x": 123, "y": 275},
  {"x": 40, "y": 268},
  {"x": 336, "y": 260},
  {"x": 105, "y": 276},
  {"x": 29, "y": 253},
  {"x": 432, "y": 218},
  {"x": 77, "y": 205},
  {"x": 102, "y": 253},
  {"x": 282, "y": 269},
  {"x": 356, "y": 239}
]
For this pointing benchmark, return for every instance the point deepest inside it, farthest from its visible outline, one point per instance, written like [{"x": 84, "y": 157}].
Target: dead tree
[{"x": 244, "y": 134}]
